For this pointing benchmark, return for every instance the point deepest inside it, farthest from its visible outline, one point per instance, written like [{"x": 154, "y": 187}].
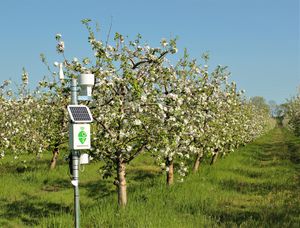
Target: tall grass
[{"x": 258, "y": 185}]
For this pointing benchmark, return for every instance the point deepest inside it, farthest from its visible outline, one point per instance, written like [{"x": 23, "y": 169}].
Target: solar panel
[{"x": 80, "y": 114}]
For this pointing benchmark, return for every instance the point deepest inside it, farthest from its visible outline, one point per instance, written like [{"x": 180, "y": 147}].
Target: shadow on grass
[
  {"x": 236, "y": 217},
  {"x": 294, "y": 152},
  {"x": 30, "y": 210},
  {"x": 254, "y": 188},
  {"x": 99, "y": 189},
  {"x": 268, "y": 214},
  {"x": 56, "y": 185},
  {"x": 272, "y": 154},
  {"x": 141, "y": 175},
  {"x": 248, "y": 217},
  {"x": 31, "y": 165},
  {"x": 248, "y": 173}
]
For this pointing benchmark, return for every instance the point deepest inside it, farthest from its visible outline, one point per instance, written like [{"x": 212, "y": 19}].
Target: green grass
[{"x": 258, "y": 185}]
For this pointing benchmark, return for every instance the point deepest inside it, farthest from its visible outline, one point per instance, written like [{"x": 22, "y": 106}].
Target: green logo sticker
[{"x": 82, "y": 135}]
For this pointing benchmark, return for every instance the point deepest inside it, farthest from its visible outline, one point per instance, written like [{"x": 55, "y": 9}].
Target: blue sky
[{"x": 257, "y": 39}]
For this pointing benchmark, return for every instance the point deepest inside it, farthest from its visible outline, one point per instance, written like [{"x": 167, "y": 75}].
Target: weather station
[{"x": 79, "y": 131}]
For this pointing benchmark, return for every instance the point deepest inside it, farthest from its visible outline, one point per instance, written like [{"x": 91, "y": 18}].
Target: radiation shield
[
  {"x": 86, "y": 83},
  {"x": 80, "y": 136}
]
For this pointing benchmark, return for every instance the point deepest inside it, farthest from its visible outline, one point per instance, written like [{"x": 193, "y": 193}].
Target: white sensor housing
[
  {"x": 61, "y": 72},
  {"x": 84, "y": 159},
  {"x": 86, "y": 83}
]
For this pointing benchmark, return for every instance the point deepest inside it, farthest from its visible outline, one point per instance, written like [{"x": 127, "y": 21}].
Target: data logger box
[{"x": 80, "y": 136}]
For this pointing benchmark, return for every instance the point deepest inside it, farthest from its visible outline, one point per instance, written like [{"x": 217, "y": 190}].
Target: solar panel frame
[{"x": 80, "y": 114}]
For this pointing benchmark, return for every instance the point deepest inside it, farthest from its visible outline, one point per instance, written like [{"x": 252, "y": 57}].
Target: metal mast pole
[
  {"x": 74, "y": 92},
  {"x": 75, "y": 162}
]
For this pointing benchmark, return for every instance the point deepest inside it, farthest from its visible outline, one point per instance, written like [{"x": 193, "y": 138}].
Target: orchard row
[{"x": 141, "y": 104}]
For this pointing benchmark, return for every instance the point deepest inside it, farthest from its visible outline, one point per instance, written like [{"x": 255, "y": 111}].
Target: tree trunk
[
  {"x": 54, "y": 158},
  {"x": 170, "y": 172},
  {"x": 214, "y": 158},
  {"x": 122, "y": 192},
  {"x": 197, "y": 162}
]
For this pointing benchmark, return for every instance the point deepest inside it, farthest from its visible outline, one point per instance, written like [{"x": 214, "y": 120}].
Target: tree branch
[
  {"x": 105, "y": 128},
  {"x": 135, "y": 65},
  {"x": 139, "y": 150}
]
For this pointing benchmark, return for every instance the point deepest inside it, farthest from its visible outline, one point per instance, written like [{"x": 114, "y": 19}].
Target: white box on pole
[{"x": 80, "y": 136}]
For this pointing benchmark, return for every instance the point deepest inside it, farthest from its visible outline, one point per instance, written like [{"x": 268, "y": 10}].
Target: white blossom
[
  {"x": 60, "y": 48},
  {"x": 137, "y": 122}
]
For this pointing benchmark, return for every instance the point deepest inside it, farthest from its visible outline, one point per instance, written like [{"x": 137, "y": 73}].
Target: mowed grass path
[{"x": 256, "y": 186}]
